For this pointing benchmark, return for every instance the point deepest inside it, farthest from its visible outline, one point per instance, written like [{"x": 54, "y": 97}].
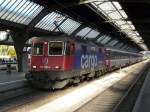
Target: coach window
[
  {"x": 55, "y": 48},
  {"x": 93, "y": 50},
  {"x": 38, "y": 49}
]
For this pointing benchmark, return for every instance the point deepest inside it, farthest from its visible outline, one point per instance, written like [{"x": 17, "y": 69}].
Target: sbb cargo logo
[{"x": 88, "y": 61}]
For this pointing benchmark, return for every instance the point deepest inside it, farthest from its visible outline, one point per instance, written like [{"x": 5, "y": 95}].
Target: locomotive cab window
[
  {"x": 55, "y": 48},
  {"x": 38, "y": 49}
]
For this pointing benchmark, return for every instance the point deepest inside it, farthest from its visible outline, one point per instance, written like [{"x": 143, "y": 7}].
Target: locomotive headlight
[
  {"x": 57, "y": 67},
  {"x": 34, "y": 66}
]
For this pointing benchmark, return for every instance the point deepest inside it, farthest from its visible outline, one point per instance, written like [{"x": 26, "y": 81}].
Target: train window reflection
[
  {"x": 38, "y": 49},
  {"x": 55, "y": 48}
]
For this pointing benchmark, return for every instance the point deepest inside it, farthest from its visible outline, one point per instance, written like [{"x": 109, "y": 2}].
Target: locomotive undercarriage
[{"x": 59, "y": 79}]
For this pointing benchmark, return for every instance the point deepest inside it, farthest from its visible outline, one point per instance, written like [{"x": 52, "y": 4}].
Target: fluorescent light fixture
[
  {"x": 106, "y": 6},
  {"x": 3, "y": 35}
]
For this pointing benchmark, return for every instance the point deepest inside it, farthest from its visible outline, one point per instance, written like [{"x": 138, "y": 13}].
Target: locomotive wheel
[
  {"x": 97, "y": 74},
  {"x": 76, "y": 81},
  {"x": 60, "y": 84}
]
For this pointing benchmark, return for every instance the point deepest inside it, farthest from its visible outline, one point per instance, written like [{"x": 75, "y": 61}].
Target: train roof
[
  {"x": 116, "y": 50},
  {"x": 52, "y": 37},
  {"x": 64, "y": 37}
]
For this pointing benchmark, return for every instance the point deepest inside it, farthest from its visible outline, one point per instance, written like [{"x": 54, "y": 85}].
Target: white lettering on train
[{"x": 88, "y": 61}]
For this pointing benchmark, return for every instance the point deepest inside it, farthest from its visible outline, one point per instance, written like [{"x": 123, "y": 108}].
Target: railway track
[
  {"x": 13, "y": 89},
  {"x": 120, "y": 97}
]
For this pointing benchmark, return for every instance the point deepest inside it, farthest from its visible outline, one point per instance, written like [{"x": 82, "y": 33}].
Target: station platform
[{"x": 143, "y": 101}]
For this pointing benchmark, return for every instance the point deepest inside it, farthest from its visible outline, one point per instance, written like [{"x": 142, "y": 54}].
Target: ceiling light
[{"x": 3, "y": 35}]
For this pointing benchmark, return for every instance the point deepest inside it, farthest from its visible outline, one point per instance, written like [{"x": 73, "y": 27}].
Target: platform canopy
[{"x": 102, "y": 21}]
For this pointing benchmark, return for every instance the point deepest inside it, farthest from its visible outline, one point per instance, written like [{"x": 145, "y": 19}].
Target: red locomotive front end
[
  {"x": 47, "y": 56},
  {"x": 51, "y": 61}
]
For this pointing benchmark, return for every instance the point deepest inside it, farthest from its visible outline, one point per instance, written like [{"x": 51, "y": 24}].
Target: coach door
[{"x": 107, "y": 58}]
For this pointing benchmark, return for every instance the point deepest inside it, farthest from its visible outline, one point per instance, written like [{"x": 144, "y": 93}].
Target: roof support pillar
[
  {"x": 19, "y": 43},
  {"x": 21, "y": 37}
]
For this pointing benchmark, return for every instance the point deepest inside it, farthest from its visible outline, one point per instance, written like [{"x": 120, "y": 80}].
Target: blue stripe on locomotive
[
  {"x": 87, "y": 60},
  {"x": 77, "y": 64}
]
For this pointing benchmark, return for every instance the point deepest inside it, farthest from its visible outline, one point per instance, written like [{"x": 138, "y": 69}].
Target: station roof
[
  {"x": 106, "y": 22},
  {"x": 138, "y": 12}
]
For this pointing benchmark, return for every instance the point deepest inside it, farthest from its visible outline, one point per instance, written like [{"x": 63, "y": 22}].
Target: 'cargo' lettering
[{"x": 88, "y": 61}]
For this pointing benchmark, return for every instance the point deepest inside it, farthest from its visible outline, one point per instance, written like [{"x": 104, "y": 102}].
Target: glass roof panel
[
  {"x": 50, "y": 21},
  {"x": 125, "y": 26},
  {"x": 120, "y": 45},
  {"x": 69, "y": 26},
  {"x": 114, "y": 43},
  {"x": 117, "y": 5},
  {"x": 19, "y": 11},
  {"x": 123, "y": 14},
  {"x": 120, "y": 22},
  {"x": 112, "y": 11},
  {"x": 137, "y": 34},
  {"x": 57, "y": 22},
  {"x": 101, "y": 38},
  {"x": 105, "y": 40},
  {"x": 83, "y": 32},
  {"x": 129, "y": 22},
  {"x": 133, "y": 28},
  {"x": 92, "y": 34},
  {"x": 107, "y": 6},
  {"x": 115, "y": 15}
]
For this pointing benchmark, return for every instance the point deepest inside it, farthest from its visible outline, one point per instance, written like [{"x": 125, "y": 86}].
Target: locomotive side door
[{"x": 70, "y": 50}]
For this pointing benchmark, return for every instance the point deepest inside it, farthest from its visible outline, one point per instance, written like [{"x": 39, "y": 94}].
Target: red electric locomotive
[{"x": 59, "y": 60}]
